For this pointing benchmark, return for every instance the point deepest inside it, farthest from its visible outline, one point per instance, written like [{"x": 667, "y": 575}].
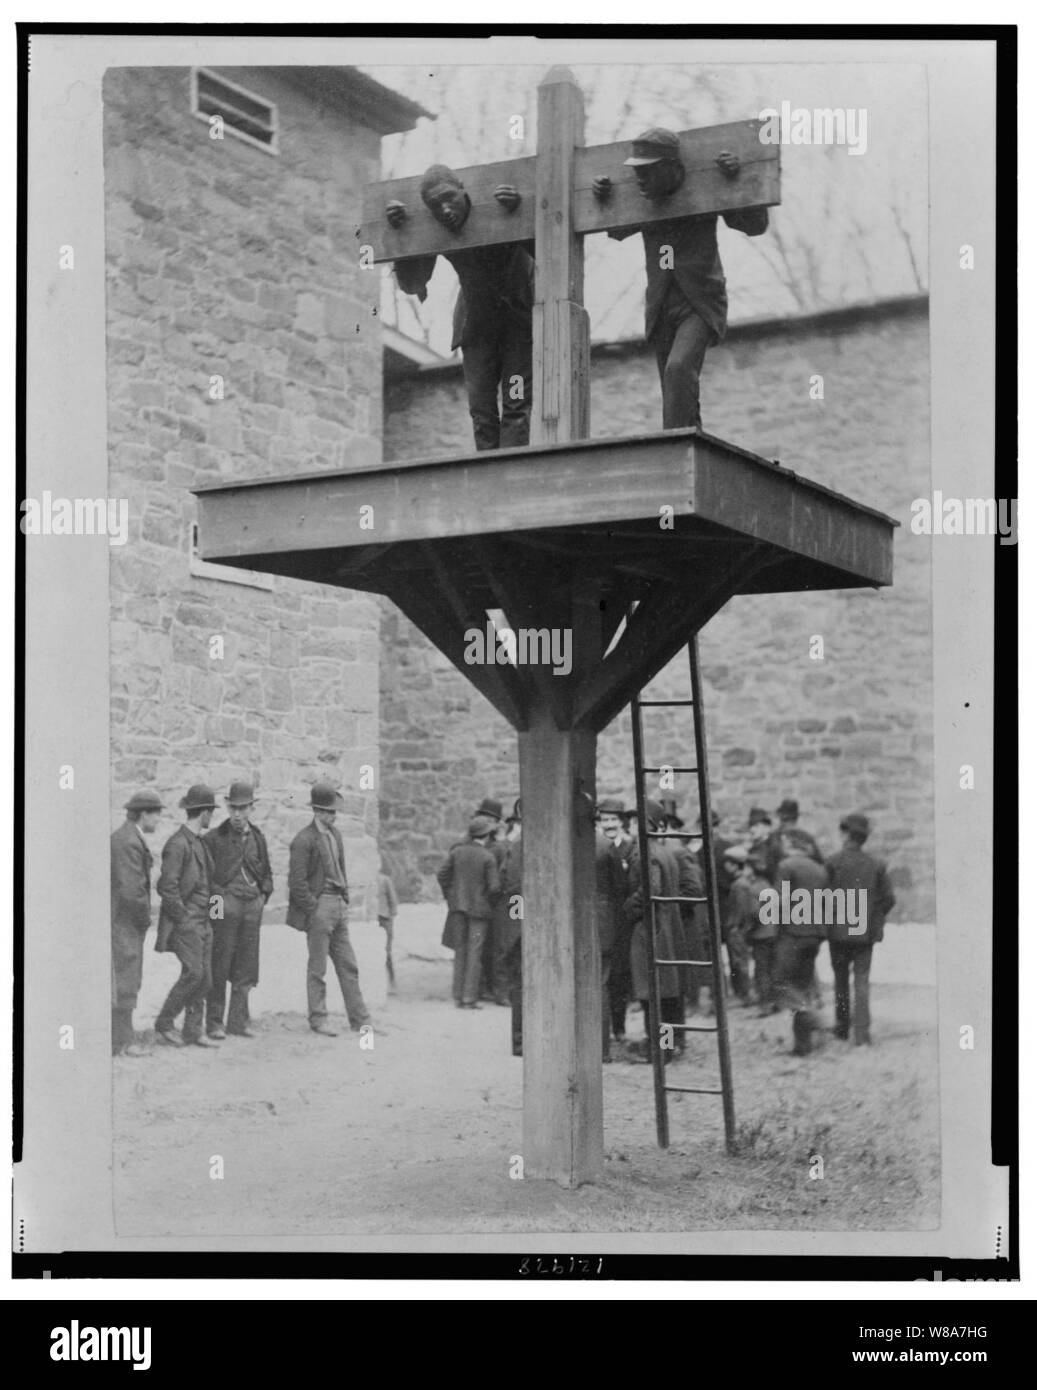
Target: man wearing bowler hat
[
  {"x": 131, "y": 915},
  {"x": 183, "y": 924},
  {"x": 686, "y": 300},
  {"x": 318, "y": 903},
  {"x": 242, "y": 881},
  {"x": 853, "y": 870},
  {"x": 493, "y": 976},
  {"x": 470, "y": 882}
]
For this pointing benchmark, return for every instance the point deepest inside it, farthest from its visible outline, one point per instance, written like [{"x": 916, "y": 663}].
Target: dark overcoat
[
  {"x": 308, "y": 873},
  {"x": 183, "y": 884}
]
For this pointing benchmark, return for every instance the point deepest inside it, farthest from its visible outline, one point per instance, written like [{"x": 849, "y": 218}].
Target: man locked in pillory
[
  {"x": 686, "y": 298},
  {"x": 493, "y": 316}
]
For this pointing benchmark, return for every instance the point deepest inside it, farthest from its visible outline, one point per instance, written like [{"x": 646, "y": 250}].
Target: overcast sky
[{"x": 851, "y": 227}]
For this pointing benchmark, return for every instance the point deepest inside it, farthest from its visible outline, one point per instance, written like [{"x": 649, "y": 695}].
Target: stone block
[
  {"x": 223, "y": 729},
  {"x": 277, "y": 690}
]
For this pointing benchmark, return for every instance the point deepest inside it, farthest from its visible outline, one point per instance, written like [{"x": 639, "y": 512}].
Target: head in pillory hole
[
  {"x": 655, "y": 160},
  {"x": 443, "y": 194}
]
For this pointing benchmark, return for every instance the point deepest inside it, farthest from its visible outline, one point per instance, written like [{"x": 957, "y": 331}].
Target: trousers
[
  {"x": 470, "y": 932},
  {"x": 763, "y": 972},
  {"x": 698, "y": 945},
  {"x": 500, "y": 361},
  {"x": 191, "y": 942},
  {"x": 794, "y": 961},
  {"x": 738, "y": 960},
  {"x": 846, "y": 958},
  {"x": 235, "y": 961},
  {"x": 127, "y": 973},
  {"x": 514, "y": 963},
  {"x": 680, "y": 340},
  {"x": 327, "y": 934},
  {"x": 606, "y": 1002},
  {"x": 619, "y": 982}
]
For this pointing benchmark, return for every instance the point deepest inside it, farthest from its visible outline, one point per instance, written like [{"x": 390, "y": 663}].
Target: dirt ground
[{"x": 319, "y": 1137}]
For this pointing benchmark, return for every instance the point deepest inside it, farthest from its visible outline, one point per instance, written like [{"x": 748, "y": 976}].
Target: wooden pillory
[{"x": 566, "y": 535}]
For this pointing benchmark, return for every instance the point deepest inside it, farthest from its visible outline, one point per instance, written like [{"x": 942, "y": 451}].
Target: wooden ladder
[{"x": 660, "y": 1033}]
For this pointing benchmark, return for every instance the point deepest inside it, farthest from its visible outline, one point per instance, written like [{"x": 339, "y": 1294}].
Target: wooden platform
[{"x": 511, "y": 530}]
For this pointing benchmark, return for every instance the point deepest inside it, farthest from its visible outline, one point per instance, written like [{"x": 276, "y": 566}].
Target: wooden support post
[
  {"x": 561, "y": 331},
  {"x": 563, "y": 1135}
]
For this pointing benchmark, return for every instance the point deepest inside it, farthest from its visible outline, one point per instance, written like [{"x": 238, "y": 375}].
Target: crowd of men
[
  {"x": 213, "y": 886},
  {"x": 771, "y": 954}
]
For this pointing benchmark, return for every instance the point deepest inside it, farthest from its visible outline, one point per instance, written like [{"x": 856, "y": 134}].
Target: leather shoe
[
  {"x": 132, "y": 1050},
  {"x": 325, "y": 1031},
  {"x": 169, "y": 1036},
  {"x": 218, "y": 1033},
  {"x": 237, "y": 1033},
  {"x": 200, "y": 1041}
]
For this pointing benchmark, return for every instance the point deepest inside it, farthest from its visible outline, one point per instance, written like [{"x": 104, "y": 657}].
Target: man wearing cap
[
  {"x": 763, "y": 842},
  {"x": 493, "y": 976},
  {"x": 183, "y": 924},
  {"x": 509, "y": 909},
  {"x": 686, "y": 300},
  {"x": 612, "y": 822},
  {"x": 794, "y": 839},
  {"x": 609, "y": 896},
  {"x": 131, "y": 915},
  {"x": 318, "y": 900},
  {"x": 663, "y": 882},
  {"x": 694, "y": 916},
  {"x": 741, "y": 911},
  {"x": 799, "y": 940},
  {"x": 493, "y": 316},
  {"x": 850, "y": 944},
  {"x": 496, "y": 976},
  {"x": 762, "y": 935},
  {"x": 242, "y": 881},
  {"x": 470, "y": 882}
]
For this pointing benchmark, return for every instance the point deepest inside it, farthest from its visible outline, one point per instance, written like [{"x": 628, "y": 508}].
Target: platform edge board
[
  {"x": 491, "y": 458},
  {"x": 550, "y": 488}
]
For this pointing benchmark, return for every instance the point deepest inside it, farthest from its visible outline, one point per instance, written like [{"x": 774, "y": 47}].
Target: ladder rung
[
  {"x": 668, "y": 768},
  {"x": 674, "y": 835},
  {"x": 693, "y": 1027},
  {"x": 658, "y": 898},
  {"x": 663, "y": 704},
  {"x": 697, "y": 1090}
]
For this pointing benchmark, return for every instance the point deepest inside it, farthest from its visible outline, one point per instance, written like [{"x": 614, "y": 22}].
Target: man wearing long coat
[
  {"x": 131, "y": 915},
  {"x": 663, "y": 882}
]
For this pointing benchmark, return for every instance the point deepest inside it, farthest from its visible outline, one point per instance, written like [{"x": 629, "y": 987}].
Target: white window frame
[
  {"x": 227, "y": 574},
  {"x": 273, "y": 147}
]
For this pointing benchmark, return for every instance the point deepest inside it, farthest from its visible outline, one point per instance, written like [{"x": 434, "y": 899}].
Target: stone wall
[
  {"x": 225, "y": 260},
  {"x": 851, "y": 732}
]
